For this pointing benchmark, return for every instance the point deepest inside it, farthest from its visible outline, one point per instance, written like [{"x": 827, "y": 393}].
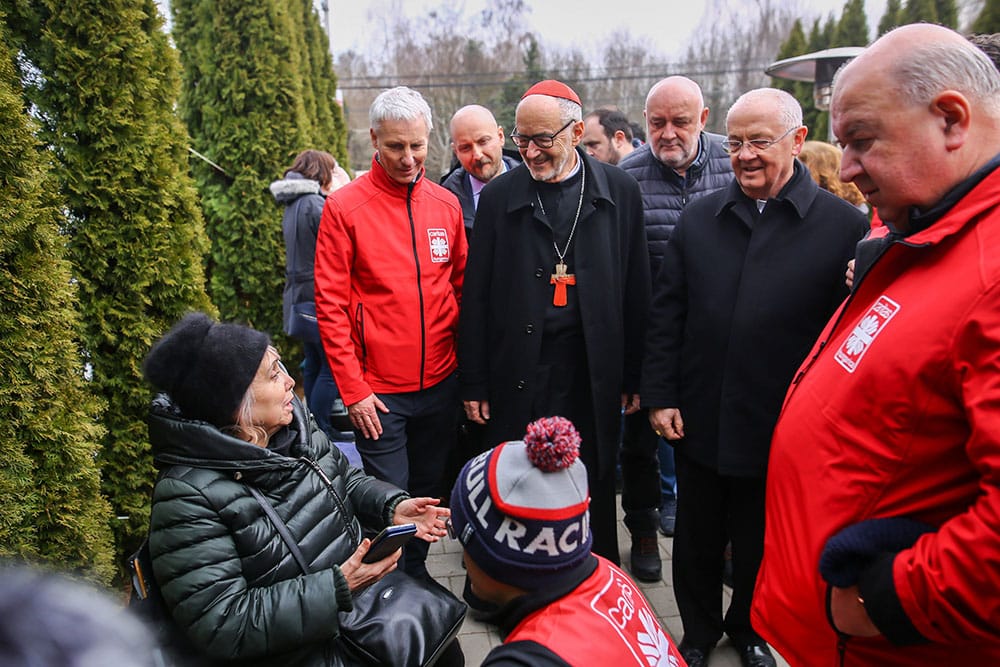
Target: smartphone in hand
[{"x": 387, "y": 541}]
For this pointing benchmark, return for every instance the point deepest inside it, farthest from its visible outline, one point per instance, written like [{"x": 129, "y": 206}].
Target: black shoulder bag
[{"x": 398, "y": 620}]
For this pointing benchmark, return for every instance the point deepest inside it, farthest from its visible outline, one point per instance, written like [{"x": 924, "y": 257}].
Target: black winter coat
[
  {"x": 232, "y": 584},
  {"x": 737, "y": 305},
  {"x": 507, "y": 291},
  {"x": 665, "y": 193}
]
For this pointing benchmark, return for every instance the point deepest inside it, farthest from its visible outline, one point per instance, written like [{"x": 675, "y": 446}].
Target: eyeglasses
[
  {"x": 733, "y": 147},
  {"x": 541, "y": 140}
]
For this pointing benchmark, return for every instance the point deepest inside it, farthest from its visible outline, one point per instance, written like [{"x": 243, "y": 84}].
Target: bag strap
[{"x": 280, "y": 526}]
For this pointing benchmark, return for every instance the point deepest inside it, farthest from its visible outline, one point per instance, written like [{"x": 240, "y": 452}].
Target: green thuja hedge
[
  {"x": 51, "y": 508},
  {"x": 988, "y": 20},
  {"x": 244, "y": 107},
  {"x": 104, "y": 79},
  {"x": 329, "y": 125}
]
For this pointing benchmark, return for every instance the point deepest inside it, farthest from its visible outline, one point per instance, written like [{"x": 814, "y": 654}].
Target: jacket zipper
[
  {"x": 355, "y": 538},
  {"x": 420, "y": 290}
]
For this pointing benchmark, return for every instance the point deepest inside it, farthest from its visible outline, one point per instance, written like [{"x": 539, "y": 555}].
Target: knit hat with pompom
[{"x": 520, "y": 509}]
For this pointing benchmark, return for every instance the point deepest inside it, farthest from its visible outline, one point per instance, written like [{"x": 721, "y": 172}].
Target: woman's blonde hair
[{"x": 823, "y": 161}]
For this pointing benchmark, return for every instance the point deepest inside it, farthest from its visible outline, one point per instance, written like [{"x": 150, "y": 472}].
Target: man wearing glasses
[
  {"x": 751, "y": 274},
  {"x": 556, "y": 294}
]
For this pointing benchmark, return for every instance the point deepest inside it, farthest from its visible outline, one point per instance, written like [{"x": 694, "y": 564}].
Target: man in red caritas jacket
[
  {"x": 390, "y": 259},
  {"x": 882, "y": 539}
]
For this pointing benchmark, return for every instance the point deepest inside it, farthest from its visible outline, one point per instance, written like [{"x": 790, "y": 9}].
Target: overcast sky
[{"x": 564, "y": 23}]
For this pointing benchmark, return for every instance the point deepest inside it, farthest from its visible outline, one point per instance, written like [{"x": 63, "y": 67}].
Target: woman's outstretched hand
[{"x": 431, "y": 520}]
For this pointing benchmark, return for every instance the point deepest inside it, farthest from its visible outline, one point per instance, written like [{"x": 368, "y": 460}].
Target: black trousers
[
  {"x": 562, "y": 387},
  {"x": 640, "y": 473},
  {"x": 418, "y": 437},
  {"x": 711, "y": 508}
]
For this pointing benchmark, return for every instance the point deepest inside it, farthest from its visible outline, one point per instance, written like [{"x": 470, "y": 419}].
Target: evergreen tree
[
  {"x": 329, "y": 125},
  {"x": 505, "y": 105},
  {"x": 917, "y": 11},
  {"x": 821, "y": 34},
  {"x": 51, "y": 508},
  {"x": 947, "y": 13},
  {"x": 892, "y": 17},
  {"x": 988, "y": 21},
  {"x": 852, "y": 29},
  {"x": 243, "y": 102},
  {"x": 794, "y": 45},
  {"x": 300, "y": 12},
  {"x": 104, "y": 79}
]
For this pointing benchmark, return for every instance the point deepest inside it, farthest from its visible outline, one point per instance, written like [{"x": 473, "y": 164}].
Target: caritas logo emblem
[
  {"x": 440, "y": 251},
  {"x": 854, "y": 348}
]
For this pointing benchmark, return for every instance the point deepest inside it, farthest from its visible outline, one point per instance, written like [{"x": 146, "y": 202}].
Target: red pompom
[{"x": 552, "y": 443}]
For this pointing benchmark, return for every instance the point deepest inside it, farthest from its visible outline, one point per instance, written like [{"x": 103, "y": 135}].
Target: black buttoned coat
[
  {"x": 507, "y": 291},
  {"x": 738, "y": 302}
]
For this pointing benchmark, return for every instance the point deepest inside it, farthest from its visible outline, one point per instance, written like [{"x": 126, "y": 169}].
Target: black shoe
[
  {"x": 694, "y": 657},
  {"x": 668, "y": 516},
  {"x": 645, "y": 557},
  {"x": 757, "y": 655}
]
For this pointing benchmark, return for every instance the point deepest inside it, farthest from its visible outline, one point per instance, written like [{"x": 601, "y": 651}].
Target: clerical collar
[{"x": 576, "y": 169}]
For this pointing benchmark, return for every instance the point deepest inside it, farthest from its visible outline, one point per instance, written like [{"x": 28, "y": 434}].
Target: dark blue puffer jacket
[{"x": 665, "y": 194}]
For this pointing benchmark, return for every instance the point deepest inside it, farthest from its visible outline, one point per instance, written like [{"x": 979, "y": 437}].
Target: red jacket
[
  {"x": 896, "y": 413},
  {"x": 604, "y": 621},
  {"x": 389, "y": 265}
]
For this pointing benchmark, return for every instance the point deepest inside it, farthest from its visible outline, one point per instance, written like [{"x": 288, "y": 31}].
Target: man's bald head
[
  {"x": 917, "y": 113},
  {"x": 477, "y": 141},
  {"x": 677, "y": 88},
  {"x": 675, "y": 117},
  {"x": 923, "y": 59}
]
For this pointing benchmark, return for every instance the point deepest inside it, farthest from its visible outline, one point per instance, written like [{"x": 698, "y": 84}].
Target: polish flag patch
[{"x": 868, "y": 328}]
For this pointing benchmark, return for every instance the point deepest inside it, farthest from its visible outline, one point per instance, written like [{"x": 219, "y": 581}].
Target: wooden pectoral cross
[{"x": 561, "y": 279}]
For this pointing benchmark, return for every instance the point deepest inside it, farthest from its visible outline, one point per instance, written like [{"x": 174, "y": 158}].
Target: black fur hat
[{"x": 206, "y": 366}]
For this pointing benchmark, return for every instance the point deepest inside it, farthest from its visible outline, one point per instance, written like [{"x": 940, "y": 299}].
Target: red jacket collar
[
  {"x": 966, "y": 211},
  {"x": 380, "y": 177}
]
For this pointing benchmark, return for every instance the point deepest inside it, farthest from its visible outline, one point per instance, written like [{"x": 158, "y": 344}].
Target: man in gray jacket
[{"x": 680, "y": 163}]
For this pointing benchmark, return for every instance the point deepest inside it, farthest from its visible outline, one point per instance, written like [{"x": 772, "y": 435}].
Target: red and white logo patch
[
  {"x": 854, "y": 348},
  {"x": 440, "y": 250},
  {"x": 625, "y": 609}
]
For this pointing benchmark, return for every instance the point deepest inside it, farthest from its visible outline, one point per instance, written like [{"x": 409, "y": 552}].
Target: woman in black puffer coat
[{"x": 229, "y": 420}]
